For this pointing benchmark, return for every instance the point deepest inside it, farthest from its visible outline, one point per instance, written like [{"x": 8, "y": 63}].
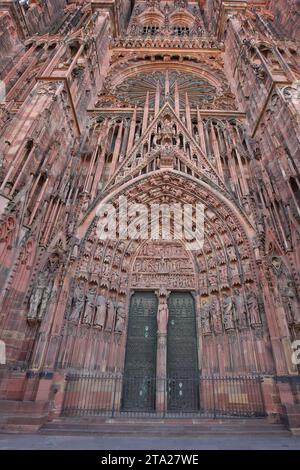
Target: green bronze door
[
  {"x": 182, "y": 358},
  {"x": 140, "y": 359}
]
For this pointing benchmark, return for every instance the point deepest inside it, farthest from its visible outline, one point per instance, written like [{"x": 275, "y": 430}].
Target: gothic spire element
[
  {"x": 167, "y": 86},
  {"x": 157, "y": 99}
]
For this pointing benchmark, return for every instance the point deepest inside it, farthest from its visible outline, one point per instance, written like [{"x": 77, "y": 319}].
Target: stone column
[
  {"x": 161, "y": 372},
  {"x": 161, "y": 360}
]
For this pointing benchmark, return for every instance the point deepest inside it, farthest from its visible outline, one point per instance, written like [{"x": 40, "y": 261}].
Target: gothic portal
[{"x": 144, "y": 108}]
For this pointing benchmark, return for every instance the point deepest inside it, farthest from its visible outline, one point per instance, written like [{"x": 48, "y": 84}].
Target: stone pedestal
[
  {"x": 57, "y": 391},
  {"x": 271, "y": 399},
  {"x": 31, "y": 385},
  {"x": 44, "y": 386}
]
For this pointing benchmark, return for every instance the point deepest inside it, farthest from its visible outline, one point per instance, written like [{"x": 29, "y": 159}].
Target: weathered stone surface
[{"x": 171, "y": 103}]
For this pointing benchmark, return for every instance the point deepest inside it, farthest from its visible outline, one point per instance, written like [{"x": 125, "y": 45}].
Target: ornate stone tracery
[{"x": 173, "y": 103}]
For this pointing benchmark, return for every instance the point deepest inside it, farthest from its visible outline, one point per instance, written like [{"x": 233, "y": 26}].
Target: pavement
[{"x": 96, "y": 442}]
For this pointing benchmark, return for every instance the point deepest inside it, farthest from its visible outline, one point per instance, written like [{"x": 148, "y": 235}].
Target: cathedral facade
[{"x": 144, "y": 108}]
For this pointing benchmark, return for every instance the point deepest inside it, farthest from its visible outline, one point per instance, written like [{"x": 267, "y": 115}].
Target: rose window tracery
[{"x": 134, "y": 89}]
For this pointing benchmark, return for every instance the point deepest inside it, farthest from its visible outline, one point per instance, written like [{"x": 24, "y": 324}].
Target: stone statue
[
  {"x": 224, "y": 276},
  {"x": 259, "y": 71},
  {"x": 117, "y": 260},
  {"x": 231, "y": 253},
  {"x": 75, "y": 252},
  {"x": 240, "y": 309},
  {"x": 105, "y": 269},
  {"x": 120, "y": 322},
  {"x": 34, "y": 302},
  {"x": 78, "y": 302},
  {"x": 234, "y": 271},
  {"x": 101, "y": 310},
  {"x": 40, "y": 296},
  {"x": 89, "y": 306},
  {"x": 253, "y": 308},
  {"x": 287, "y": 290},
  {"x": 45, "y": 299},
  {"x": 278, "y": 266},
  {"x": 205, "y": 318},
  {"x": 2, "y": 353},
  {"x": 84, "y": 206},
  {"x": 84, "y": 264},
  {"x": 71, "y": 225},
  {"x": 99, "y": 252},
  {"x": 211, "y": 261},
  {"x": 228, "y": 309},
  {"x": 111, "y": 310},
  {"x": 226, "y": 238},
  {"x": 114, "y": 280},
  {"x": 290, "y": 303},
  {"x": 212, "y": 279},
  {"x": 216, "y": 316},
  {"x": 202, "y": 265},
  {"x": 162, "y": 316}
]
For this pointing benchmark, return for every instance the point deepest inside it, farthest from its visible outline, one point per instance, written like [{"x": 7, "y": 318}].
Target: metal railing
[{"x": 110, "y": 395}]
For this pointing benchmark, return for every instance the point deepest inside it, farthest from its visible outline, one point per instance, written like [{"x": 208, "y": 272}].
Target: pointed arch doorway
[
  {"x": 161, "y": 368},
  {"x": 161, "y": 356}
]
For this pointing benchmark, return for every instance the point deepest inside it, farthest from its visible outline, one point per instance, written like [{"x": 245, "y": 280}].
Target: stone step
[
  {"x": 19, "y": 428},
  {"x": 162, "y": 427},
  {"x": 86, "y": 420},
  {"x": 22, "y": 416},
  {"x": 15, "y": 407},
  {"x": 142, "y": 422}
]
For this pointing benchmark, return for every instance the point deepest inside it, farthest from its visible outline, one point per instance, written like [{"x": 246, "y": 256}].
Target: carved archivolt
[{"x": 223, "y": 272}]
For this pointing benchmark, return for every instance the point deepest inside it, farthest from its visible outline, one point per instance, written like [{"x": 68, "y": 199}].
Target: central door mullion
[
  {"x": 161, "y": 373},
  {"x": 161, "y": 360}
]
